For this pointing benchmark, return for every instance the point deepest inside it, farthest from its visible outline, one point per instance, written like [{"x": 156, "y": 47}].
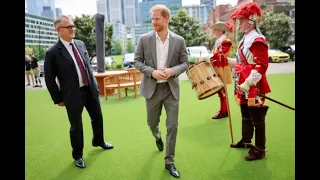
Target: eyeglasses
[{"x": 69, "y": 27}]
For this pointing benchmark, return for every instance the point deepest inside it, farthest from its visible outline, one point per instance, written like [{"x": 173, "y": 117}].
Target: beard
[{"x": 158, "y": 28}]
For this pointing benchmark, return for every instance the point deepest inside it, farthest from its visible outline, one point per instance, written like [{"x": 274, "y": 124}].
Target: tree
[
  {"x": 108, "y": 38},
  {"x": 85, "y": 32},
  {"x": 118, "y": 47},
  {"x": 39, "y": 53},
  {"x": 130, "y": 46},
  {"x": 276, "y": 28},
  {"x": 188, "y": 28}
]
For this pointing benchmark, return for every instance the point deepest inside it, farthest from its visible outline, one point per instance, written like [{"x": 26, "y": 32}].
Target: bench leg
[
  {"x": 105, "y": 93},
  {"x": 135, "y": 91},
  {"x": 119, "y": 93}
]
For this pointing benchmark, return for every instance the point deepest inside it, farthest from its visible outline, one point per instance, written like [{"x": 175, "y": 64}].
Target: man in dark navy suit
[{"x": 68, "y": 61}]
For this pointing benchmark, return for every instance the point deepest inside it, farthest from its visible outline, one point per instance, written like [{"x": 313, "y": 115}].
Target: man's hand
[
  {"x": 158, "y": 74},
  {"x": 168, "y": 72},
  {"x": 61, "y": 104}
]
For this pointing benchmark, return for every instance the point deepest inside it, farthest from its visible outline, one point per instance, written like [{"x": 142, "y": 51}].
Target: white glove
[
  {"x": 232, "y": 62},
  {"x": 251, "y": 80},
  {"x": 245, "y": 86}
]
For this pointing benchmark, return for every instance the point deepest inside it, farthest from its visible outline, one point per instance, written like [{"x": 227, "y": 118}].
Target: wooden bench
[{"x": 123, "y": 81}]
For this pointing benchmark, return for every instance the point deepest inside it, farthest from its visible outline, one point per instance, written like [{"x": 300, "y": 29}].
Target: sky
[{"x": 89, "y": 7}]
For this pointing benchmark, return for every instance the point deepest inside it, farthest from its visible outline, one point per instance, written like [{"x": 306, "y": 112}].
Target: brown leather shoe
[
  {"x": 220, "y": 115},
  {"x": 255, "y": 154}
]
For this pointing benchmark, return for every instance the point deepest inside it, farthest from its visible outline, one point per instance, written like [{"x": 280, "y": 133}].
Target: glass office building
[{"x": 39, "y": 31}]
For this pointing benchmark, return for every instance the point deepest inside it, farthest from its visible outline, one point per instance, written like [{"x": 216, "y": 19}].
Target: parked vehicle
[
  {"x": 41, "y": 63},
  {"x": 275, "y": 55},
  {"x": 107, "y": 61},
  {"x": 198, "y": 51},
  {"x": 128, "y": 60},
  {"x": 290, "y": 49}
]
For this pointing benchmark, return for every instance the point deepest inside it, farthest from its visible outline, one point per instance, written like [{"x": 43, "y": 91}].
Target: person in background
[
  {"x": 220, "y": 51},
  {"x": 35, "y": 67},
  {"x": 28, "y": 70}
]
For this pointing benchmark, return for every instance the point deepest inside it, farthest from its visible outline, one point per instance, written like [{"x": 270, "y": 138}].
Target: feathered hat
[
  {"x": 249, "y": 10},
  {"x": 225, "y": 26}
]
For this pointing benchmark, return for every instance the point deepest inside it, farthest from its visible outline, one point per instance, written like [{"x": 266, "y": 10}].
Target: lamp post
[{"x": 39, "y": 44}]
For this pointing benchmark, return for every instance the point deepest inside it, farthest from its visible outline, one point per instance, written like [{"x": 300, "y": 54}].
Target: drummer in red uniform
[
  {"x": 252, "y": 62},
  {"x": 221, "y": 50}
]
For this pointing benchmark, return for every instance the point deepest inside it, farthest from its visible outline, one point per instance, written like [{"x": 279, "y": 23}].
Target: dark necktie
[{"x": 80, "y": 65}]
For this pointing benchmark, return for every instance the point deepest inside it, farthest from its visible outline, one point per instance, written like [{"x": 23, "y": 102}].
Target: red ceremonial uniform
[
  {"x": 260, "y": 62},
  {"x": 252, "y": 56}
]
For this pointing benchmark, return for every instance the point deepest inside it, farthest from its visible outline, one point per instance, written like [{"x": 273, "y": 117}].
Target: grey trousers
[{"x": 163, "y": 96}]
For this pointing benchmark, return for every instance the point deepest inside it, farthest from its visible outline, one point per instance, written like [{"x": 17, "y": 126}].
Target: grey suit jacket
[{"x": 145, "y": 59}]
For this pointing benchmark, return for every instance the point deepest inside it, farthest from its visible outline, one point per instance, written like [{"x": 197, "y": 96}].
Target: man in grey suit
[
  {"x": 68, "y": 61},
  {"x": 161, "y": 56}
]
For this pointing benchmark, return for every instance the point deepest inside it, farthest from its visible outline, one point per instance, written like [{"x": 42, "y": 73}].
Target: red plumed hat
[{"x": 249, "y": 10}]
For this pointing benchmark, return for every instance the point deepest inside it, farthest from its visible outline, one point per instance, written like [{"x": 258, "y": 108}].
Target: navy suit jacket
[{"x": 59, "y": 64}]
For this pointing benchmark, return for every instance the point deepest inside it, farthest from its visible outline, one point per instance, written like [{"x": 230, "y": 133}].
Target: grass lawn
[
  {"x": 202, "y": 149},
  {"x": 118, "y": 58}
]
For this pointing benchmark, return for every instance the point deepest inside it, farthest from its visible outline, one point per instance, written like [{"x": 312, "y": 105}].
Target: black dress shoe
[
  {"x": 173, "y": 170},
  {"x": 220, "y": 115},
  {"x": 159, "y": 144},
  {"x": 80, "y": 163},
  {"x": 104, "y": 145}
]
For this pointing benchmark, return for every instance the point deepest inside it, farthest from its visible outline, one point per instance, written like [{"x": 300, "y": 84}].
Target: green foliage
[
  {"x": 276, "y": 28},
  {"x": 85, "y": 26},
  {"x": 233, "y": 50},
  {"x": 117, "y": 47},
  {"x": 39, "y": 53},
  {"x": 119, "y": 66},
  {"x": 85, "y": 32},
  {"x": 130, "y": 46},
  {"x": 193, "y": 60},
  {"x": 108, "y": 37},
  {"x": 189, "y": 28}
]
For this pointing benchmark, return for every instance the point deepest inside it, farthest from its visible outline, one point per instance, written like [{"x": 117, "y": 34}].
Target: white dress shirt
[
  {"x": 162, "y": 53},
  {"x": 69, "y": 48}
]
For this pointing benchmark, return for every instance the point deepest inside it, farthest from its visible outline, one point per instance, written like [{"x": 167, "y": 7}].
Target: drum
[{"x": 204, "y": 79}]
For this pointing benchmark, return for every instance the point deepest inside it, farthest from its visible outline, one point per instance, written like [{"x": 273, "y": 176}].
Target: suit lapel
[
  {"x": 66, "y": 54},
  {"x": 153, "y": 49},
  {"x": 172, "y": 44}
]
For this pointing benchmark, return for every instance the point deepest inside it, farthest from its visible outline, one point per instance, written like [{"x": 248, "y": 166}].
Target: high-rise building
[
  {"x": 129, "y": 13},
  {"x": 120, "y": 34},
  {"x": 36, "y": 7},
  {"x": 102, "y": 7},
  {"x": 48, "y": 12},
  {"x": 199, "y": 12},
  {"x": 145, "y": 16},
  {"x": 211, "y": 3},
  {"x": 58, "y": 12},
  {"x": 145, "y": 6}
]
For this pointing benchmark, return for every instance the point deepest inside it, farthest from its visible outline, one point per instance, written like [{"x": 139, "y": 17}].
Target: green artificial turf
[{"x": 202, "y": 148}]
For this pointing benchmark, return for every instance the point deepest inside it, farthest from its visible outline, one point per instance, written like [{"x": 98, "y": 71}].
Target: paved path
[{"x": 274, "y": 68}]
